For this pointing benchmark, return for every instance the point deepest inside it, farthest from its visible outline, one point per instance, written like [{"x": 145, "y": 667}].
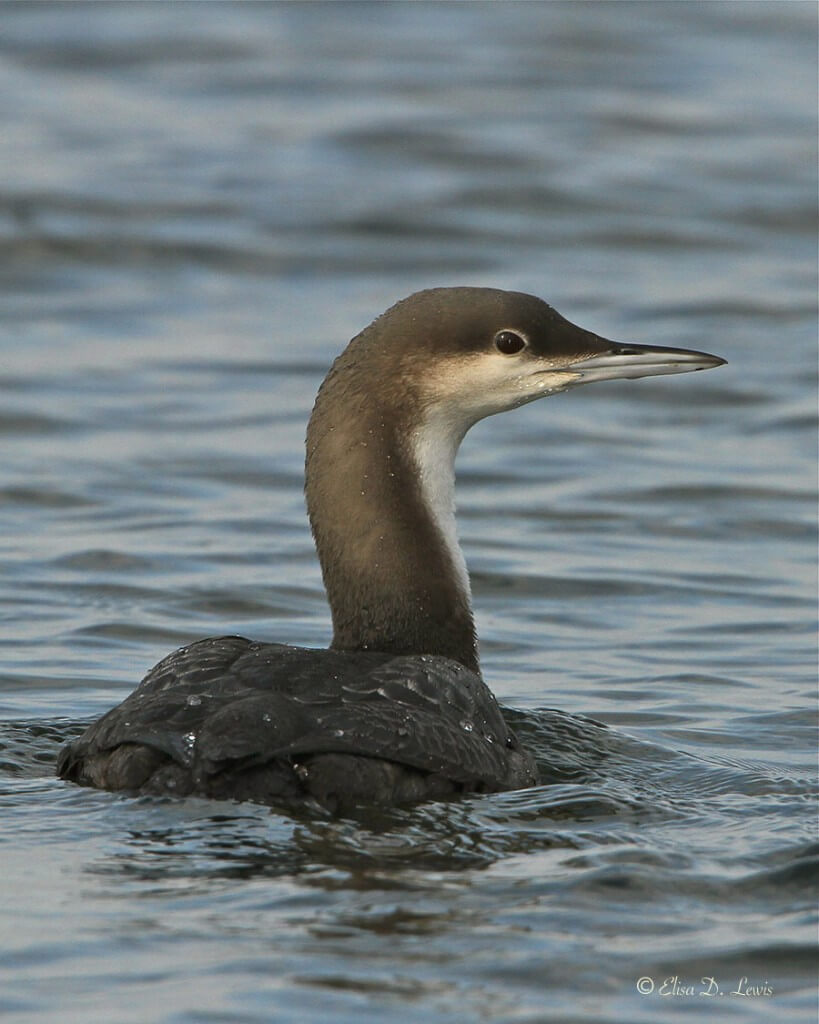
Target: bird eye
[{"x": 508, "y": 342}]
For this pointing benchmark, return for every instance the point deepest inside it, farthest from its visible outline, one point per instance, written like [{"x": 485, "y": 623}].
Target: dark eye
[{"x": 508, "y": 342}]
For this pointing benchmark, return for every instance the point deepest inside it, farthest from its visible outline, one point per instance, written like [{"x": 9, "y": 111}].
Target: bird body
[{"x": 396, "y": 709}]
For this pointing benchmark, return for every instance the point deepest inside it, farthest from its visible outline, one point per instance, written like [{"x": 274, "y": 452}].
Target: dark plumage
[{"x": 277, "y": 724}]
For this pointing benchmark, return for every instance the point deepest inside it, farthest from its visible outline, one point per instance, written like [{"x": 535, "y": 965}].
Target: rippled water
[{"x": 199, "y": 205}]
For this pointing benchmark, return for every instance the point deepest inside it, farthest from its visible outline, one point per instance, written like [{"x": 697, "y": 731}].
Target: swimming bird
[{"x": 396, "y": 709}]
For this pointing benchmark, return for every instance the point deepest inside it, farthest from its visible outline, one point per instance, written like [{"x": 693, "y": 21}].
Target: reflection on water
[{"x": 196, "y": 214}]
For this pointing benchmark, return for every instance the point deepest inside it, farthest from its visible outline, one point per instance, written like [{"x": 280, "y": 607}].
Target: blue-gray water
[{"x": 199, "y": 206}]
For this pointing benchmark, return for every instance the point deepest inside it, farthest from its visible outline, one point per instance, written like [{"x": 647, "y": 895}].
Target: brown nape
[
  {"x": 394, "y": 581},
  {"x": 389, "y": 578}
]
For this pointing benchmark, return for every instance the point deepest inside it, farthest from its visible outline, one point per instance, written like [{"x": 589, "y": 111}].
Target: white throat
[{"x": 434, "y": 446}]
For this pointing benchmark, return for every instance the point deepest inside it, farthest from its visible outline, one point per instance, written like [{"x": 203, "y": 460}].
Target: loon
[{"x": 395, "y": 710}]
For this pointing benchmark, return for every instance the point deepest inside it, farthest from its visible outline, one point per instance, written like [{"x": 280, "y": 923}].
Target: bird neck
[{"x": 380, "y": 497}]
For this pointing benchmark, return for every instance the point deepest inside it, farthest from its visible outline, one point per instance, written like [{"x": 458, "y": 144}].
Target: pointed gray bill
[{"x": 631, "y": 361}]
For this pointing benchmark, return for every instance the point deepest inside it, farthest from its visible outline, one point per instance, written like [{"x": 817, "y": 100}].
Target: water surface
[{"x": 199, "y": 206}]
